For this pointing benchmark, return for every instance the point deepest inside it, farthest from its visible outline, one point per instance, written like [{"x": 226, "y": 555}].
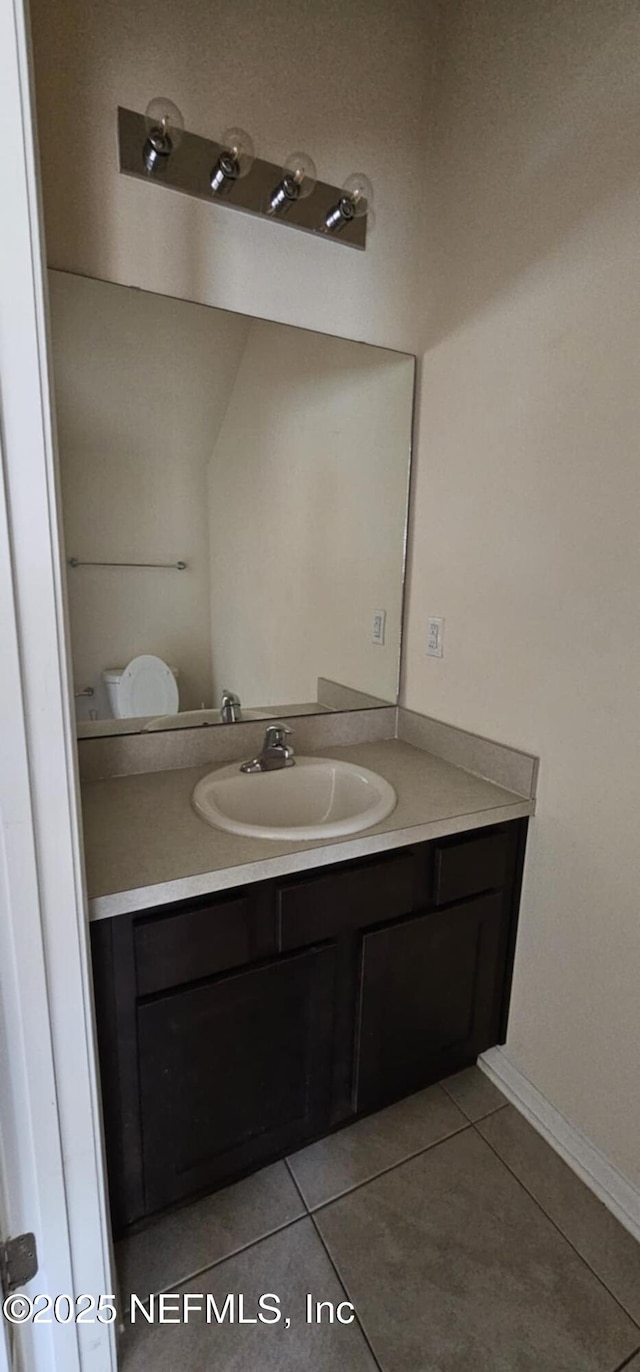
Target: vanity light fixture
[
  {"x": 156, "y": 147},
  {"x": 164, "y": 127},
  {"x": 354, "y": 203},
  {"x": 298, "y": 181},
  {"x": 234, "y": 162}
]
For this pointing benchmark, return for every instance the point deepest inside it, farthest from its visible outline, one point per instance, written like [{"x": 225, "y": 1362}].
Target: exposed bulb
[
  {"x": 239, "y": 143},
  {"x": 298, "y": 181},
  {"x": 303, "y": 170},
  {"x": 235, "y": 161},
  {"x": 165, "y": 125},
  {"x": 360, "y": 192},
  {"x": 355, "y": 202}
]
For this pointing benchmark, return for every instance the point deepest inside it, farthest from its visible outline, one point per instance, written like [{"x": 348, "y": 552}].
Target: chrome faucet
[
  {"x": 276, "y": 752},
  {"x": 230, "y": 709}
]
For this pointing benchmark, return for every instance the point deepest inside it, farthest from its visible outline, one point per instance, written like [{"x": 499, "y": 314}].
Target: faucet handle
[
  {"x": 276, "y": 736},
  {"x": 276, "y": 752}
]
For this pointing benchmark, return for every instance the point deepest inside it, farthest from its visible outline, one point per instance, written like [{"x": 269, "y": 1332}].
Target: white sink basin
[{"x": 317, "y": 798}]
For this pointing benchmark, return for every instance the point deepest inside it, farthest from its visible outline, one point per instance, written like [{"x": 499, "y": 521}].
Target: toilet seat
[{"x": 147, "y": 687}]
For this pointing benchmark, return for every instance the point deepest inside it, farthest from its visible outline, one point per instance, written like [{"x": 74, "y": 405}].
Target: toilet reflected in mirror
[{"x": 145, "y": 687}]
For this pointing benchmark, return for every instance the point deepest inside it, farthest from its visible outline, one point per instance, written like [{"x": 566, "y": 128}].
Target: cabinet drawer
[
  {"x": 198, "y": 943},
  {"x": 469, "y": 866},
  {"x": 322, "y": 907}
]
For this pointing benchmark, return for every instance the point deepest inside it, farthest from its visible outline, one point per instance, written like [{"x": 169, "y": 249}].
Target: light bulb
[
  {"x": 165, "y": 125},
  {"x": 235, "y": 160},
  {"x": 303, "y": 170},
  {"x": 360, "y": 192},
  {"x": 298, "y": 181},
  {"x": 355, "y": 202},
  {"x": 240, "y": 145}
]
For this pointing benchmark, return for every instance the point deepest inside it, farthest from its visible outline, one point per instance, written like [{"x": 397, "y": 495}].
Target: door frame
[{"x": 51, "y": 1128}]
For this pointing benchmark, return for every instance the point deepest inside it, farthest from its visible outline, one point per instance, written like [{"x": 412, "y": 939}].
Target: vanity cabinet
[{"x": 235, "y": 1028}]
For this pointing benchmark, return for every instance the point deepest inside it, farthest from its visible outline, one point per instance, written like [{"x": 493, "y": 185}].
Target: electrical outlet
[
  {"x": 435, "y": 636},
  {"x": 378, "y": 622}
]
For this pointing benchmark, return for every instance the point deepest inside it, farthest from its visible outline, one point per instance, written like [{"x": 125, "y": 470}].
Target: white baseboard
[{"x": 593, "y": 1168}]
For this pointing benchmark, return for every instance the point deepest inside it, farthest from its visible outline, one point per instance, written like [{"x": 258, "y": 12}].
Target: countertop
[{"x": 145, "y": 846}]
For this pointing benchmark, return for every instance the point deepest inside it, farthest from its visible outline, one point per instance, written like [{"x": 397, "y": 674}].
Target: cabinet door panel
[
  {"x": 428, "y": 998},
  {"x": 233, "y": 1072}
]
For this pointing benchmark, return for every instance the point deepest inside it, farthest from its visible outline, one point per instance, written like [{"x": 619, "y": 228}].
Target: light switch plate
[
  {"x": 435, "y": 636},
  {"x": 378, "y": 624}
]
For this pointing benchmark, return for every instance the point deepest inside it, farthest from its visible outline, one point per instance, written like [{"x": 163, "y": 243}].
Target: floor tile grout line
[
  {"x": 562, "y": 1234},
  {"x": 297, "y": 1186},
  {"x": 410, "y": 1157},
  {"x": 208, "y": 1267},
  {"x": 479, "y": 1118},
  {"x": 308, "y": 1213},
  {"x": 346, "y": 1290},
  {"x": 621, "y": 1366},
  {"x": 334, "y": 1265},
  {"x": 246, "y": 1247},
  {"x": 322, "y": 1205}
]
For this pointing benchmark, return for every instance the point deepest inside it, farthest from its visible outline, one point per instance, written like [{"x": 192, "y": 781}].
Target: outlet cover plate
[{"x": 435, "y": 636}]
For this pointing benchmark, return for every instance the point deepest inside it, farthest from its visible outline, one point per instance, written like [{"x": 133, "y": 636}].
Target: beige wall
[
  {"x": 347, "y": 81},
  {"x": 307, "y": 498},
  {"x": 527, "y": 507},
  {"x": 527, "y": 496},
  {"x": 142, "y": 384}
]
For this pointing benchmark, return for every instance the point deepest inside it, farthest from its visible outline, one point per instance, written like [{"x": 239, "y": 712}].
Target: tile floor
[{"x": 463, "y": 1241}]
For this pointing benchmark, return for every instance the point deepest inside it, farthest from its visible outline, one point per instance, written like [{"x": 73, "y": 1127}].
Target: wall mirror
[{"x": 234, "y": 498}]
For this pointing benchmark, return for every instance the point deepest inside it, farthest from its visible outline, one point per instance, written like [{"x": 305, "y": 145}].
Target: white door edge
[{"x": 49, "y": 1096}]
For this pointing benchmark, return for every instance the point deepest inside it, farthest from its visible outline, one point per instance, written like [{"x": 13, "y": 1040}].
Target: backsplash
[{"x": 159, "y": 752}]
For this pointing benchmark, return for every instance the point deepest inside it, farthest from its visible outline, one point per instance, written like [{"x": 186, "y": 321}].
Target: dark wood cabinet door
[
  {"x": 428, "y": 999},
  {"x": 234, "y": 1071}
]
